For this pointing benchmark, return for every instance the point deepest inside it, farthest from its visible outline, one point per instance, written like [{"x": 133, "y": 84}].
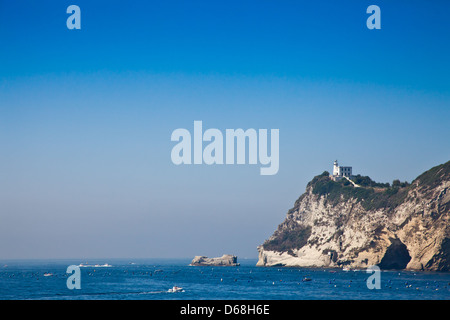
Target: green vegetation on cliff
[
  {"x": 374, "y": 195},
  {"x": 365, "y": 181},
  {"x": 371, "y": 194},
  {"x": 293, "y": 237},
  {"x": 434, "y": 176}
]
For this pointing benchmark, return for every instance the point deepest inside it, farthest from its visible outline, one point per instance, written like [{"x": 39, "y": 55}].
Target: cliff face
[{"x": 335, "y": 224}]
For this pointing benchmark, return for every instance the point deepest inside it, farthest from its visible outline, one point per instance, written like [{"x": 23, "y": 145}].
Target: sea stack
[{"x": 225, "y": 260}]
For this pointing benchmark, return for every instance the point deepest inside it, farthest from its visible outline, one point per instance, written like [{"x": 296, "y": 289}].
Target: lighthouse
[{"x": 340, "y": 171}]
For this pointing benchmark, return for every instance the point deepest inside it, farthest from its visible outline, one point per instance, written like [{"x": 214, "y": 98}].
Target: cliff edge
[{"x": 338, "y": 224}]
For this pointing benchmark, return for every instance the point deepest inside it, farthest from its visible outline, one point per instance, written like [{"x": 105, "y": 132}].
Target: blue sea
[{"x": 118, "y": 279}]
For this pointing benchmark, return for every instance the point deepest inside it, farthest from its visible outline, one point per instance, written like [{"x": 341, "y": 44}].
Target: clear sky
[{"x": 86, "y": 116}]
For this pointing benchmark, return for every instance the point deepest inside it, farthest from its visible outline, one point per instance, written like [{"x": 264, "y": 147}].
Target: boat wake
[{"x": 95, "y": 265}]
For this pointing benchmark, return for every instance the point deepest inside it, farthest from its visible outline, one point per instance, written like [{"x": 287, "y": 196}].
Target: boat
[
  {"x": 176, "y": 289},
  {"x": 48, "y": 274},
  {"x": 305, "y": 279}
]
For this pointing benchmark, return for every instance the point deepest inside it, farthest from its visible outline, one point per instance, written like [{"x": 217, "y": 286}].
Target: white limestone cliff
[{"x": 411, "y": 231}]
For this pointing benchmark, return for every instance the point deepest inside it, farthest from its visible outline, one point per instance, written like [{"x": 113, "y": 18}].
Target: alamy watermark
[
  {"x": 374, "y": 20},
  {"x": 74, "y": 20},
  {"x": 73, "y": 281},
  {"x": 233, "y": 150},
  {"x": 374, "y": 281}
]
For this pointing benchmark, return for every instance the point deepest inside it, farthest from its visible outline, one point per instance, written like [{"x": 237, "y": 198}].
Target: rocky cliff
[
  {"x": 225, "y": 260},
  {"x": 338, "y": 224}
]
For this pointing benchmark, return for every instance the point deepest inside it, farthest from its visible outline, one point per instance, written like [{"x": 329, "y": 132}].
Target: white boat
[
  {"x": 48, "y": 274},
  {"x": 176, "y": 289}
]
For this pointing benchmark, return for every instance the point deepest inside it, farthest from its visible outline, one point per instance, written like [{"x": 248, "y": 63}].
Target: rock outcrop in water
[
  {"x": 335, "y": 224},
  {"x": 225, "y": 260}
]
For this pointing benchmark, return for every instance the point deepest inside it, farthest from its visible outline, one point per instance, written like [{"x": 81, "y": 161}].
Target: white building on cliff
[{"x": 340, "y": 171}]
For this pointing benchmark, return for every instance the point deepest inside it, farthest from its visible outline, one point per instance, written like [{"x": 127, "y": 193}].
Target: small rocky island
[{"x": 223, "y": 261}]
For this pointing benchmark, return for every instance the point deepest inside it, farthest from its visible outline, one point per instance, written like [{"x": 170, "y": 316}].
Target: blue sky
[{"x": 86, "y": 116}]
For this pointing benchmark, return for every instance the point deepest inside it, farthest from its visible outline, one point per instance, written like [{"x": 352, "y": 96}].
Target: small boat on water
[
  {"x": 305, "y": 279},
  {"x": 176, "y": 289},
  {"x": 48, "y": 274}
]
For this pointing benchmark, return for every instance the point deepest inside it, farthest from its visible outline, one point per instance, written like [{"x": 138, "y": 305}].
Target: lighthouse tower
[{"x": 335, "y": 168}]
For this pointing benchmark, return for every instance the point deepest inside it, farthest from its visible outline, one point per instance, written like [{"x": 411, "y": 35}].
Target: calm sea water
[{"x": 151, "y": 279}]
